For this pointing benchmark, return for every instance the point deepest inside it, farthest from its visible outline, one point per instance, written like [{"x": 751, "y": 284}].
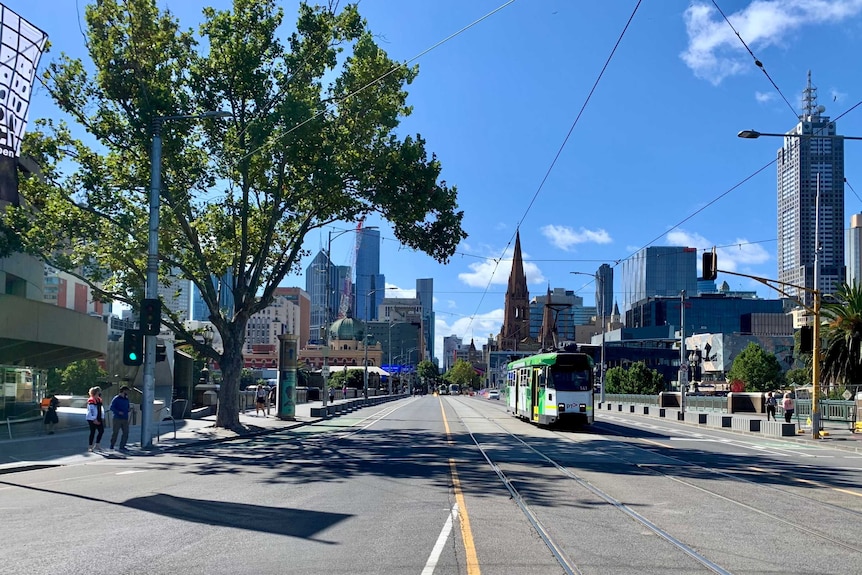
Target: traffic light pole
[{"x": 152, "y": 286}]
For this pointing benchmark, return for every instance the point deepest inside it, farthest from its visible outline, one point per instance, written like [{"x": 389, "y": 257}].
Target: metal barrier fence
[{"x": 830, "y": 409}]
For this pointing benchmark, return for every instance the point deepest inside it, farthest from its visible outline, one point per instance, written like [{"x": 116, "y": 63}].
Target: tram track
[
  {"x": 804, "y": 529},
  {"x": 567, "y": 563}
]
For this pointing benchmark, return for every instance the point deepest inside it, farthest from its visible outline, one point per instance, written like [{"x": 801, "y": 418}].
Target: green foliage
[
  {"x": 354, "y": 378},
  {"x": 637, "y": 379},
  {"x": 427, "y": 370},
  {"x": 842, "y": 357},
  {"x": 758, "y": 369},
  {"x": 798, "y": 377},
  {"x": 312, "y": 140},
  {"x": 463, "y": 374},
  {"x": 79, "y": 376}
]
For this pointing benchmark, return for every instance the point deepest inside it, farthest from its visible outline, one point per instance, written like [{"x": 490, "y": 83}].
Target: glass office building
[{"x": 658, "y": 271}]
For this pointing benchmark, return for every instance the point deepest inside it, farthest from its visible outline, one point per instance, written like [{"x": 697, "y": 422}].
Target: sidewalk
[{"x": 69, "y": 443}]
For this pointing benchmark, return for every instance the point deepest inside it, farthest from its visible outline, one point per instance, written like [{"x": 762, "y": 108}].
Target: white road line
[{"x": 441, "y": 542}]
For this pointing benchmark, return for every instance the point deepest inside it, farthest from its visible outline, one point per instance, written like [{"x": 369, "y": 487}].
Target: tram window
[{"x": 568, "y": 380}]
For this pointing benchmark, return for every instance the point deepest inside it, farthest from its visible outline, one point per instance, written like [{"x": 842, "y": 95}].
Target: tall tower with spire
[
  {"x": 515, "y": 330},
  {"x": 811, "y": 202}
]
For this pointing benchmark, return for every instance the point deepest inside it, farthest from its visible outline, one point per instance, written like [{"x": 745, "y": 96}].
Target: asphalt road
[{"x": 446, "y": 485}]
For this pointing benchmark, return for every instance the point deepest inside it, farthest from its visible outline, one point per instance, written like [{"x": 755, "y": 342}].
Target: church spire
[{"x": 516, "y": 311}]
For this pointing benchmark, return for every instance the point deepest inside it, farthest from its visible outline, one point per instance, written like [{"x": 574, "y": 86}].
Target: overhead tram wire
[
  {"x": 559, "y": 151},
  {"x": 378, "y": 79},
  {"x": 757, "y": 62}
]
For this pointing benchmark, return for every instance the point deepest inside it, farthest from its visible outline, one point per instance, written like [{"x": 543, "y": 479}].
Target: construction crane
[{"x": 347, "y": 289}]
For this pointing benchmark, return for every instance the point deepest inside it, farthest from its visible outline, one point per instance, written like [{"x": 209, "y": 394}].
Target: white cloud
[
  {"x": 764, "y": 97},
  {"x": 490, "y": 272},
  {"x": 714, "y": 52},
  {"x": 477, "y": 328},
  {"x": 393, "y": 290},
  {"x": 564, "y": 237},
  {"x": 740, "y": 256}
]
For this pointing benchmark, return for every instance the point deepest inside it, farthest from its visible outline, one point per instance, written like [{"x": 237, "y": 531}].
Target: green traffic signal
[{"x": 133, "y": 347}]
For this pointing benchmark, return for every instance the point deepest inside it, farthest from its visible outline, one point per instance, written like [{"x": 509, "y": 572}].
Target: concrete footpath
[{"x": 69, "y": 443}]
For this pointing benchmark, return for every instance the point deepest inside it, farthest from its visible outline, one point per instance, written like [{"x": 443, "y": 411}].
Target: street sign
[
  {"x": 324, "y": 371},
  {"x": 847, "y": 395}
]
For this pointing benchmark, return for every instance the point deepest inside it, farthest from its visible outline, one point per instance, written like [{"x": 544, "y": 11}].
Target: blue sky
[{"x": 652, "y": 160}]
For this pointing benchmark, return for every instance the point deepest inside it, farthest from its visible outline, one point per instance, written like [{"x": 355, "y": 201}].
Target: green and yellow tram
[{"x": 551, "y": 388}]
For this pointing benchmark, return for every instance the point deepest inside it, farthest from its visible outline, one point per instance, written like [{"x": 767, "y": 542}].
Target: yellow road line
[
  {"x": 464, "y": 518},
  {"x": 810, "y": 482}
]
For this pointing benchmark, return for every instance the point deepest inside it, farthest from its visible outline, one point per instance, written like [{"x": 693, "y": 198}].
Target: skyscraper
[
  {"x": 659, "y": 271},
  {"x": 324, "y": 283},
  {"x": 854, "y": 250},
  {"x": 604, "y": 291},
  {"x": 370, "y": 283},
  {"x": 811, "y": 203},
  {"x": 425, "y": 293}
]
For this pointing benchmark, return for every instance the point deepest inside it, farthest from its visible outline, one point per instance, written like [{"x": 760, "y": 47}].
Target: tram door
[{"x": 535, "y": 381}]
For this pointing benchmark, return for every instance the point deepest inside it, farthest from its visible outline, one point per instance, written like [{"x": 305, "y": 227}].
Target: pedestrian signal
[
  {"x": 133, "y": 347},
  {"x": 151, "y": 316}
]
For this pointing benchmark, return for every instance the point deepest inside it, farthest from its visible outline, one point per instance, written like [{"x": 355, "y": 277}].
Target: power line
[
  {"x": 376, "y": 80},
  {"x": 757, "y": 62},
  {"x": 563, "y": 145}
]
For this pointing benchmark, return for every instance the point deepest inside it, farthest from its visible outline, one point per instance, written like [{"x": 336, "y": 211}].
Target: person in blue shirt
[{"x": 120, "y": 410}]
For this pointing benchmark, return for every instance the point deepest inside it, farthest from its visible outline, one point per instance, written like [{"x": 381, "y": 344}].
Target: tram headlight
[{"x": 561, "y": 407}]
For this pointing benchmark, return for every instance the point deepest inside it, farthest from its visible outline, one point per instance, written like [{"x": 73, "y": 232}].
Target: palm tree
[{"x": 842, "y": 360}]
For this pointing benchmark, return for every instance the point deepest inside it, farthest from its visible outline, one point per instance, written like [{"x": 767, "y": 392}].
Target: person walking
[
  {"x": 51, "y": 418},
  {"x": 331, "y": 395},
  {"x": 770, "y": 406},
  {"x": 95, "y": 418},
  {"x": 119, "y": 407},
  {"x": 787, "y": 405},
  {"x": 260, "y": 400}
]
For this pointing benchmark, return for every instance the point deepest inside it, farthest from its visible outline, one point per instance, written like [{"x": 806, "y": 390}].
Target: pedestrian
[
  {"x": 770, "y": 406},
  {"x": 95, "y": 419},
  {"x": 331, "y": 395},
  {"x": 344, "y": 392},
  {"x": 51, "y": 418},
  {"x": 272, "y": 399},
  {"x": 260, "y": 400},
  {"x": 119, "y": 407},
  {"x": 787, "y": 405}
]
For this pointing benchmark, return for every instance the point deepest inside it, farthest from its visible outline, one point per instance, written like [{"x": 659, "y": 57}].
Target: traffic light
[
  {"x": 151, "y": 316},
  {"x": 133, "y": 347},
  {"x": 806, "y": 339},
  {"x": 710, "y": 265},
  {"x": 161, "y": 352}
]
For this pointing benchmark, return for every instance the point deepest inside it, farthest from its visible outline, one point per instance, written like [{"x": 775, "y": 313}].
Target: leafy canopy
[
  {"x": 311, "y": 140},
  {"x": 757, "y": 368}
]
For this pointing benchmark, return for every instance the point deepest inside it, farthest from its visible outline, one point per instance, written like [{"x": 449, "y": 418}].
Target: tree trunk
[{"x": 231, "y": 368}]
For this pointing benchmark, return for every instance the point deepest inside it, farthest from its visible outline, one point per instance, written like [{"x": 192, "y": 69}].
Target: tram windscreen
[{"x": 563, "y": 379}]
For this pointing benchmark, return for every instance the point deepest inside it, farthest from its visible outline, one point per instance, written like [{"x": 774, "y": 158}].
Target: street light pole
[
  {"x": 600, "y": 281},
  {"x": 152, "y": 285},
  {"x": 816, "y": 293}
]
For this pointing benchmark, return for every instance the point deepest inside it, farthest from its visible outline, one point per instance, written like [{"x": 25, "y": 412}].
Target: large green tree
[
  {"x": 79, "y": 376},
  {"x": 757, "y": 368},
  {"x": 842, "y": 357},
  {"x": 463, "y": 374},
  {"x": 311, "y": 141},
  {"x": 637, "y": 379}
]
